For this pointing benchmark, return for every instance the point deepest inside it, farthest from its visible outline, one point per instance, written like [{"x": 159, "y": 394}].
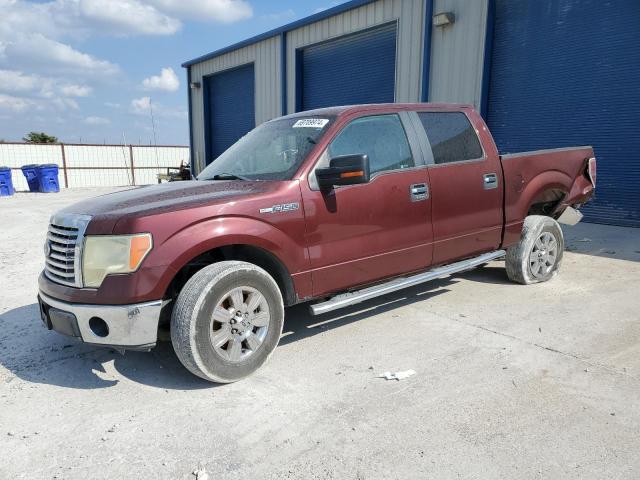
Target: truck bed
[{"x": 549, "y": 178}]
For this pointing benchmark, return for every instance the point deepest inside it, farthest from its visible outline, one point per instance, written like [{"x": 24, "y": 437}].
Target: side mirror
[{"x": 344, "y": 170}]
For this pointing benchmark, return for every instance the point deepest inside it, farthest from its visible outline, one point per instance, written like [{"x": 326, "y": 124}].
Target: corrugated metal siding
[
  {"x": 410, "y": 16},
  {"x": 356, "y": 68},
  {"x": 566, "y": 73},
  {"x": 266, "y": 58},
  {"x": 457, "y": 53}
]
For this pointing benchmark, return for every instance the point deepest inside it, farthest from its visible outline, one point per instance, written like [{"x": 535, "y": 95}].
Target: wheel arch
[{"x": 240, "y": 252}]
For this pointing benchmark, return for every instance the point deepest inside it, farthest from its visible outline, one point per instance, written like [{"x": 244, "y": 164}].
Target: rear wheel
[
  {"x": 227, "y": 321},
  {"x": 537, "y": 257}
]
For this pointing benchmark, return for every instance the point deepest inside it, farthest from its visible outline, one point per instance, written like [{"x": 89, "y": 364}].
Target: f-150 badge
[{"x": 283, "y": 207}]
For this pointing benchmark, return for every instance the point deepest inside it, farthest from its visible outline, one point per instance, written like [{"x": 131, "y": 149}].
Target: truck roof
[{"x": 345, "y": 109}]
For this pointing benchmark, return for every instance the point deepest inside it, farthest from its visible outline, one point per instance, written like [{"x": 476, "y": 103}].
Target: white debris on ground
[
  {"x": 201, "y": 474},
  {"x": 397, "y": 375}
]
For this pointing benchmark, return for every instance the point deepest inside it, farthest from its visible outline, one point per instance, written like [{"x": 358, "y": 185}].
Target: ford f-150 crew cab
[{"x": 332, "y": 207}]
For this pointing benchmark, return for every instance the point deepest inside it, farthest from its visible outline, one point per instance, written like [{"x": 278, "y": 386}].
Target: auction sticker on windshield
[{"x": 311, "y": 123}]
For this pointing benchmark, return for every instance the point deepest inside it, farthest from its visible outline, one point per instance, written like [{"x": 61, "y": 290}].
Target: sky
[{"x": 94, "y": 71}]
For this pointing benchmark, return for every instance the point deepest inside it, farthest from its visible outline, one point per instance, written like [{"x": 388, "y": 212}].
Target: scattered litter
[
  {"x": 504, "y": 368},
  {"x": 104, "y": 439},
  {"x": 613, "y": 414},
  {"x": 10, "y": 434},
  {"x": 113, "y": 428},
  {"x": 540, "y": 329},
  {"x": 201, "y": 474},
  {"x": 584, "y": 240},
  {"x": 397, "y": 375},
  {"x": 371, "y": 367},
  {"x": 514, "y": 383},
  {"x": 586, "y": 369}
]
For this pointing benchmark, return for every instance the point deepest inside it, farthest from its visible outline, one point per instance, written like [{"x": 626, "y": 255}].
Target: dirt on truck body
[{"x": 331, "y": 207}]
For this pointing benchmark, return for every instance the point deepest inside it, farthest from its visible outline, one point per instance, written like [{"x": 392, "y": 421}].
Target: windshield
[{"x": 272, "y": 151}]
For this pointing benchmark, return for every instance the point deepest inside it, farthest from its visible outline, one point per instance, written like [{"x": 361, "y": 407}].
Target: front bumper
[{"x": 132, "y": 327}]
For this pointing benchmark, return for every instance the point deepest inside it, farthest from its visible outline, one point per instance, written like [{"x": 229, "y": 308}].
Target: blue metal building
[{"x": 544, "y": 74}]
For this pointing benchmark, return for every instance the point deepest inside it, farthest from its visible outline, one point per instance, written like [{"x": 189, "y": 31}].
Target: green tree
[{"x": 39, "y": 137}]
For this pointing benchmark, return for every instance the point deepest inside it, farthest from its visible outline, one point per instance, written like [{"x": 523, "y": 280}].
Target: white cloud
[
  {"x": 167, "y": 80},
  {"x": 128, "y": 17},
  {"x": 47, "y": 91},
  {"x": 225, "y": 11},
  {"x": 16, "y": 81},
  {"x": 15, "y": 104},
  {"x": 35, "y": 52},
  {"x": 141, "y": 106},
  {"x": 65, "y": 103},
  {"x": 144, "y": 106},
  {"x": 97, "y": 121},
  {"x": 75, "y": 90}
]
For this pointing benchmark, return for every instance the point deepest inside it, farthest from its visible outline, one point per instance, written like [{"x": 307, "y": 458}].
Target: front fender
[{"x": 194, "y": 240}]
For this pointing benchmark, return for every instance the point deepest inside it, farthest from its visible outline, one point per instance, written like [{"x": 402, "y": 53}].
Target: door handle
[
  {"x": 490, "y": 181},
  {"x": 418, "y": 192}
]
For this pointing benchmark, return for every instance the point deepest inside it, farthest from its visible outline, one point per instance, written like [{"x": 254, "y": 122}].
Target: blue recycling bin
[
  {"x": 30, "y": 172},
  {"x": 48, "y": 178},
  {"x": 6, "y": 185}
]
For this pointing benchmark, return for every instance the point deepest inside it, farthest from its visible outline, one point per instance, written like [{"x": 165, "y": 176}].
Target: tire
[
  {"x": 246, "y": 300},
  {"x": 538, "y": 255}
]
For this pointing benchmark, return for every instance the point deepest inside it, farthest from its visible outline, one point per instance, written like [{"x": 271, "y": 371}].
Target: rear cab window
[{"x": 452, "y": 137}]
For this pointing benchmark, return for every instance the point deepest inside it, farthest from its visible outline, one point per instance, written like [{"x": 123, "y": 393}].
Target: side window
[
  {"x": 381, "y": 137},
  {"x": 451, "y": 136}
]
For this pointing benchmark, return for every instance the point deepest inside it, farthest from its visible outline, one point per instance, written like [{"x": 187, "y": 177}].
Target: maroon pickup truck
[{"x": 331, "y": 207}]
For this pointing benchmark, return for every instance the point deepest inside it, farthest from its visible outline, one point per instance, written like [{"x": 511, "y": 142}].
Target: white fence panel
[
  {"x": 17, "y": 155},
  {"x": 160, "y": 156},
  {"x": 94, "y": 165}
]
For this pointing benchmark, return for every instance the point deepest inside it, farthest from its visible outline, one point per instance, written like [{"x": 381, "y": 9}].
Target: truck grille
[{"x": 63, "y": 249}]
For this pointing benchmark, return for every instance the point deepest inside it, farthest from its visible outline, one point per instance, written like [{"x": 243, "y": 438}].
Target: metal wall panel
[
  {"x": 567, "y": 74},
  {"x": 410, "y": 16},
  {"x": 266, "y": 58},
  {"x": 457, "y": 53},
  {"x": 356, "y": 68}
]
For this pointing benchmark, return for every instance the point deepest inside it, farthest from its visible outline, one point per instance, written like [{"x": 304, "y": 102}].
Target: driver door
[{"x": 358, "y": 234}]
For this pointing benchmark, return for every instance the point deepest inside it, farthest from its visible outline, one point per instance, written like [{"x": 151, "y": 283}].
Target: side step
[{"x": 351, "y": 298}]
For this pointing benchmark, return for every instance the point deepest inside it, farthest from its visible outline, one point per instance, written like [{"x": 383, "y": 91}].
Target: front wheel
[
  {"x": 227, "y": 321},
  {"x": 537, "y": 257}
]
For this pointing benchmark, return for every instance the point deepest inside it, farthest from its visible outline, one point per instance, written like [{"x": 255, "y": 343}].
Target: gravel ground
[{"x": 511, "y": 381}]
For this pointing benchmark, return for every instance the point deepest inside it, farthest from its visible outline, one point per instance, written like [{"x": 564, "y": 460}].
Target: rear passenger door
[
  {"x": 466, "y": 187},
  {"x": 357, "y": 234}
]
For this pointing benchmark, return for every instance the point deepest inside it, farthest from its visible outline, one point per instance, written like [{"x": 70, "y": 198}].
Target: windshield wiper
[{"x": 229, "y": 176}]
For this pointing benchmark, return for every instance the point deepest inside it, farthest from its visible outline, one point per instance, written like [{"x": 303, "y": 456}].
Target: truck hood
[{"x": 107, "y": 209}]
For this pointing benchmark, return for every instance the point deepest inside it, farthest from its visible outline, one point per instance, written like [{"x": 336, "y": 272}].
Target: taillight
[{"x": 591, "y": 170}]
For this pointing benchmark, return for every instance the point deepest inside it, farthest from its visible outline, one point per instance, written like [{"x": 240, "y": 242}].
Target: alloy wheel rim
[
  {"x": 239, "y": 324},
  {"x": 544, "y": 255}
]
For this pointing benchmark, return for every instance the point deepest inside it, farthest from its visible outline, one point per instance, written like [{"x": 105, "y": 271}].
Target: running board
[{"x": 351, "y": 298}]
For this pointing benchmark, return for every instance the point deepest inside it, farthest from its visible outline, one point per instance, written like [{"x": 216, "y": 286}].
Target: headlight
[{"x": 107, "y": 254}]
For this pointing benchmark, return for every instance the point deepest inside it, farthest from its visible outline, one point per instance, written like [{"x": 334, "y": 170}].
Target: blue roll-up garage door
[
  {"x": 356, "y": 68},
  {"x": 566, "y": 72},
  {"x": 229, "y": 108}
]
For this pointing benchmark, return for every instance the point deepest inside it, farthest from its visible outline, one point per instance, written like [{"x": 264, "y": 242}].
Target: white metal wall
[
  {"x": 266, "y": 58},
  {"x": 94, "y": 165},
  {"x": 410, "y": 17},
  {"x": 457, "y": 53}
]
